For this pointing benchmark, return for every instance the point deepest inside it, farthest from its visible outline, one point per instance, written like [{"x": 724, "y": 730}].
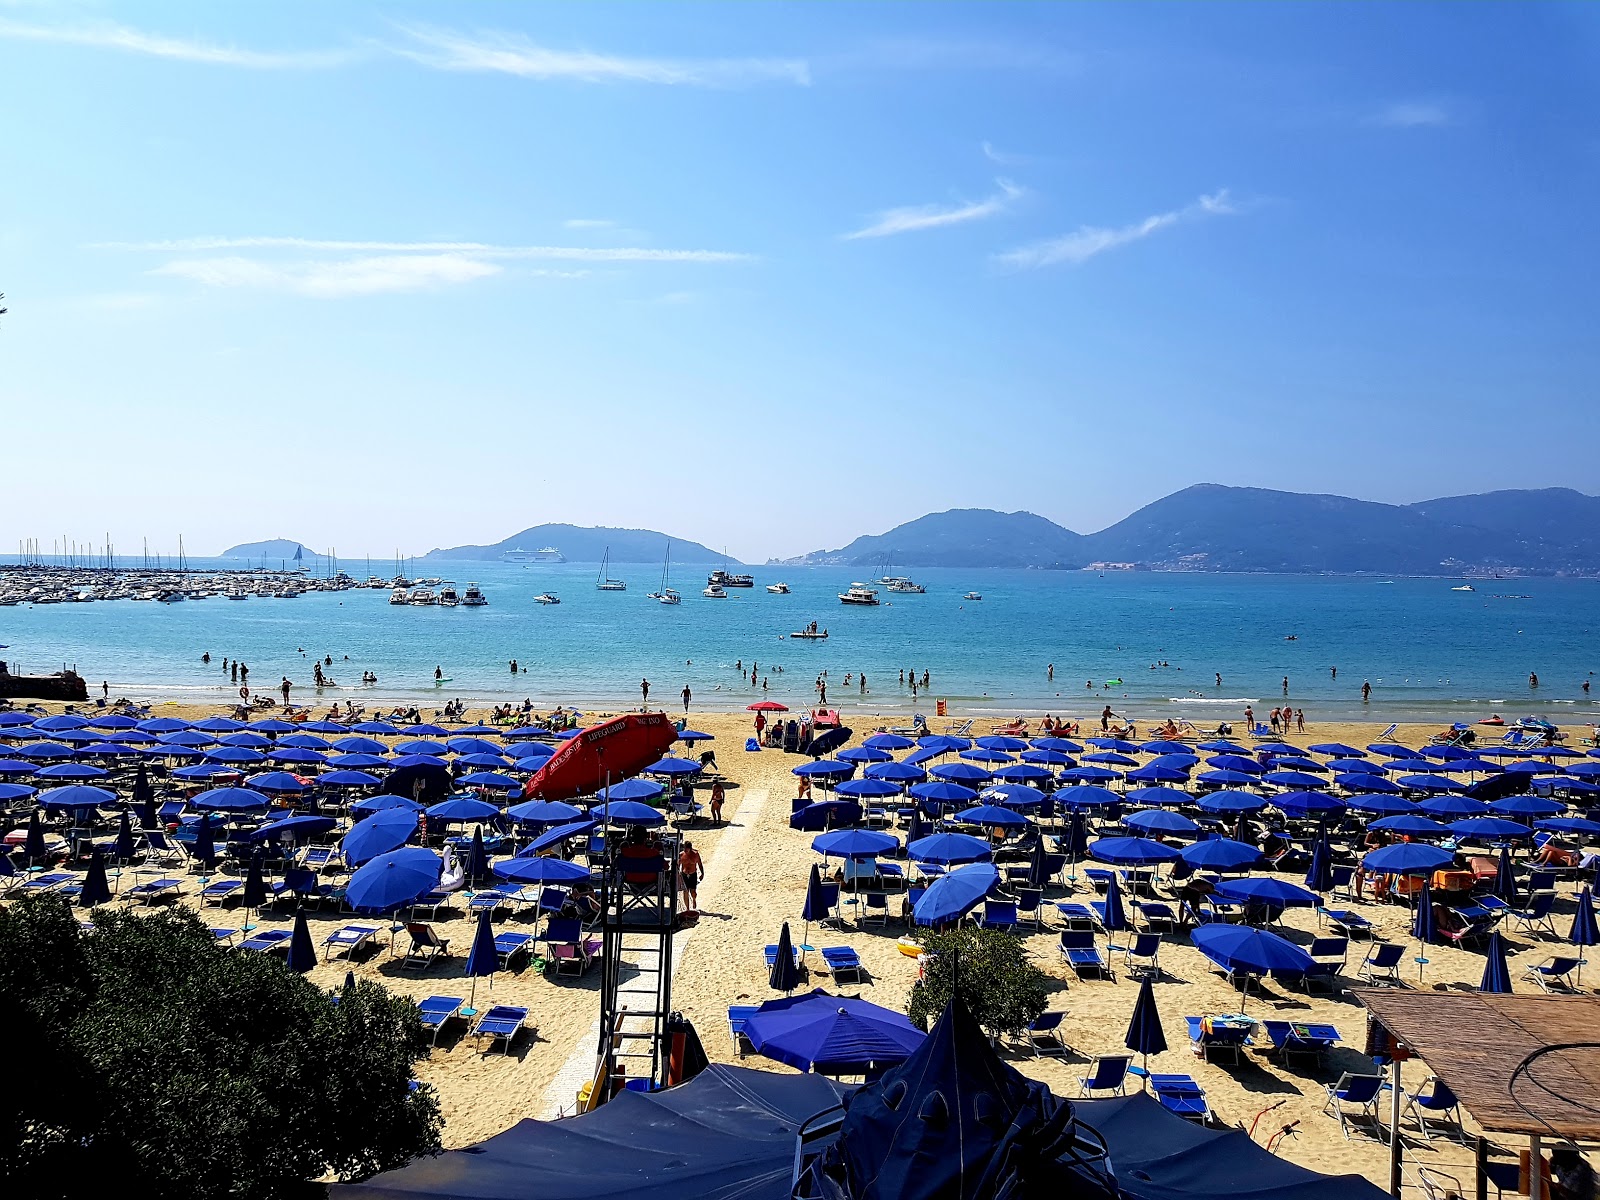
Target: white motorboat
[
  {"x": 399, "y": 596},
  {"x": 448, "y": 597},
  {"x": 473, "y": 597},
  {"x": 901, "y": 584},
  {"x": 972, "y": 596},
  {"x": 1465, "y": 587},
  {"x": 715, "y": 591},
  {"x": 859, "y": 593},
  {"x": 547, "y": 598},
  {"x": 421, "y": 596},
  {"x": 778, "y": 589}
]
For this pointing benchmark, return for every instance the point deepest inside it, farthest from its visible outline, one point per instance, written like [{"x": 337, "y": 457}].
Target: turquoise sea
[{"x": 1429, "y": 652}]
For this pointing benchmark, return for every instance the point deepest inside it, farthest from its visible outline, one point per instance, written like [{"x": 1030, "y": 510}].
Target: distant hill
[
  {"x": 584, "y": 544},
  {"x": 279, "y": 548},
  {"x": 963, "y": 537},
  {"x": 1209, "y": 527}
]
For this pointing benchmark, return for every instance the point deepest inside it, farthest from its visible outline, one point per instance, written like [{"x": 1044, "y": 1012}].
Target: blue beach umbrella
[
  {"x": 254, "y": 893},
  {"x": 1000, "y": 741},
  {"x": 527, "y": 751},
  {"x": 474, "y": 745},
  {"x": 60, "y": 722},
  {"x": 1313, "y": 805},
  {"x": 948, "y": 849},
  {"x": 633, "y": 789},
  {"x": 477, "y": 865},
  {"x": 944, "y": 793},
  {"x": 378, "y": 834},
  {"x": 1145, "y": 1035},
  {"x": 492, "y": 762},
  {"x": 981, "y": 754},
  {"x": 832, "y": 1035},
  {"x": 1453, "y": 808},
  {"x": 71, "y": 770},
  {"x": 345, "y": 778},
  {"x": 1407, "y": 858},
  {"x": 1012, "y": 795},
  {"x": 483, "y": 959},
  {"x": 1076, "y": 843},
  {"x": 1242, "y": 763},
  {"x": 360, "y": 745},
  {"x": 678, "y": 766},
  {"x": 1022, "y": 773},
  {"x": 1430, "y": 783},
  {"x": 1046, "y": 758},
  {"x": 1110, "y": 758},
  {"x": 235, "y": 756},
  {"x": 1064, "y": 745},
  {"x": 1239, "y": 948},
  {"x": 1087, "y": 796},
  {"x": 1336, "y": 750},
  {"x": 463, "y": 808},
  {"x": 1039, "y": 865},
  {"x": 1160, "y": 820},
  {"x": 1319, "y": 874},
  {"x": 943, "y": 744},
  {"x": 1165, "y": 797},
  {"x": 1220, "y": 854},
  {"x": 785, "y": 974},
  {"x": 1116, "y": 916},
  {"x": 250, "y": 741},
  {"x": 1527, "y": 807},
  {"x": 1411, "y": 825},
  {"x": 695, "y": 735},
  {"x": 1089, "y": 775},
  {"x": 414, "y": 760},
  {"x": 1303, "y": 780},
  {"x": 1496, "y": 976},
  {"x": 629, "y": 812},
  {"x": 422, "y": 746},
  {"x": 960, "y": 772},
  {"x": 558, "y": 834},
  {"x": 889, "y": 741},
  {"x": 273, "y": 725},
  {"x": 330, "y": 727},
  {"x": 233, "y": 799},
  {"x": 1279, "y": 893},
  {"x": 894, "y": 772},
  {"x": 1496, "y": 828},
  {"x": 276, "y": 782},
  {"x": 1423, "y": 927},
  {"x": 1131, "y": 851},
  {"x": 96, "y": 890},
  {"x": 75, "y": 796},
  {"x": 393, "y": 879},
  {"x": 489, "y": 779},
  {"x": 953, "y": 896},
  {"x": 302, "y": 954},
  {"x": 1582, "y": 826},
  {"x": 993, "y": 815},
  {"x": 160, "y": 725},
  {"x": 1223, "y": 778},
  {"x": 1374, "y": 794},
  {"x": 1505, "y": 878},
  {"x": 425, "y": 731},
  {"x": 1585, "y": 929},
  {"x": 217, "y": 725},
  {"x": 1121, "y": 745},
  {"x": 1222, "y": 746},
  {"x": 191, "y": 739},
  {"x": 1152, "y": 773},
  {"x": 33, "y": 846},
  {"x": 16, "y": 766},
  {"x": 867, "y": 788},
  {"x": 854, "y": 843},
  {"x": 543, "y": 813},
  {"x": 205, "y": 847},
  {"x": 822, "y": 768},
  {"x": 298, "y": 828},
  {"x": 1231, "y": 803},
  {"x": 1355, "y": 766},
  {"x": 16, "y": 791},
  {"x": 297, "y": 754},
  {"x": 816, "y": 906},
  {"x": 124, "y": 848},
  {"x": 539, "y": 869},
  {"x": 864, "y": 754}
]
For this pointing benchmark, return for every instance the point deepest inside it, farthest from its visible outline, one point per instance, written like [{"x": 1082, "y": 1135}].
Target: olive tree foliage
[
  {"x": 146, "y": 1061},
  {"x": 999, "y": 984}
]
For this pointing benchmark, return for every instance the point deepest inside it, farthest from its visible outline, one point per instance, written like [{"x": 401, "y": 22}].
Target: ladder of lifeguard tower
[{"x": 637, "y": 922}]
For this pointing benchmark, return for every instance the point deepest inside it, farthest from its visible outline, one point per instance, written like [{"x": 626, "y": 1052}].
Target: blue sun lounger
[
  {"x": 268, "y": 940},
  {"x": 1181, "y": 1096},
  {"x": 436, "y": 1011},
  {"x": 51, "y": 882},
  {"x": 1292, "y": 1038},
  {"x": 842, "y": 960},
  {"x": 1224, "y": 1039},
  {"x": 500, "y": 1024},
  {"x": 219, "y": 892},
  {"x": 156, "y": 889},
  {"x": 509, "y": 944},
  {"x": 738, "y": 1014},
  {"x": 347, "y": 939}
]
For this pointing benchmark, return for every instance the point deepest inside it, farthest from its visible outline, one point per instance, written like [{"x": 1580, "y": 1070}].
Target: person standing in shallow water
[
  {"x": 686, "y": 695},
  {"x": 644, "y": 691},
  {"x": 1366, "y": 691}
]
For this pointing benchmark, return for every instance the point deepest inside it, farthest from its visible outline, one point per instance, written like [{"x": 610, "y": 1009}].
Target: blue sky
[{"x": 774, "y": 276}]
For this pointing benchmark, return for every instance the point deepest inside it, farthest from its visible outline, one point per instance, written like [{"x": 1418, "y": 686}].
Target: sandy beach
[{"x": 755, "y": 875}]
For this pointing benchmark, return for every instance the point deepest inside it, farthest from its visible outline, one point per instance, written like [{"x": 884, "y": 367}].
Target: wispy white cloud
[
  {"x": 1089, "y": 240},
  {"x": 514, "y": 54},
  {"x": 915, "y": 218},
  {"x": 1005, "y": 158},
  {"x": 1414, "y": 114},
  {"x": 588, "y": 223},
  {"x": 480, "y": 250},
  {"x": 333, "y": 279},
  {"x": 106, "y": 36}
]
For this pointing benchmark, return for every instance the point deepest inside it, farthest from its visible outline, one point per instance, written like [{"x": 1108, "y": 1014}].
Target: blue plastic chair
[
  {"x": 1108, "y": 1073},
  {"x": 1361, "y": 1091}
]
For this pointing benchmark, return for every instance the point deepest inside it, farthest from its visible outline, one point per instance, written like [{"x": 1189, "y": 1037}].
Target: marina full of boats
[{"x": 33, "y": 584}]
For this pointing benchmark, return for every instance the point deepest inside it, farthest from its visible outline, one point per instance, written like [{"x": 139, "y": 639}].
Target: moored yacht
[
  {"x": 859, "y": 593},
  {"x": 473, "y": 597}
]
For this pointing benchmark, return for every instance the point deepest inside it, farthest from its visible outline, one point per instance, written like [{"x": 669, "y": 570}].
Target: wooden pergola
[{"x": 1523, "y": 1065}]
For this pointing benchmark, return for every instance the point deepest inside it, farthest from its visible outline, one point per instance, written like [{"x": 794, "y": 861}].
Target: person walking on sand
[
  {"x": 644, "y": 691},
  {"x": 686, "y": 699},
  {"x": 761, "y": 725},
  {"x": 1105, "y": 718},
  {"x": 1249, "y": 717},
  {"x": 1300, "y": 719},
  {"x": 718, "y": 795},
  {"x": 284, "y": 688},
  {"x": 690, "y": 868},
  {"x": 822, "y": 689}
]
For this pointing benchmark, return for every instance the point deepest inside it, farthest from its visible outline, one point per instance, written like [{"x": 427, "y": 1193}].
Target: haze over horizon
[{"x": 422, "y": 276}]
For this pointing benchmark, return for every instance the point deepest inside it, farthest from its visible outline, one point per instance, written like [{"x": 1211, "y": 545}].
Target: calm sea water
[{"x": 1430, "y": 653}]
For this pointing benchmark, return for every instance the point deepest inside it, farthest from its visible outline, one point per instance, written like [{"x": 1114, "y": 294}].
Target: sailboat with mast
[
  {"x": 603, "y": 581},
  {"x": 667, "y": 594}
]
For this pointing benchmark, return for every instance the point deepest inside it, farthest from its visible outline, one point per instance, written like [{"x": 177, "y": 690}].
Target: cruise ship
[{"x": 543, "y": 554}]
